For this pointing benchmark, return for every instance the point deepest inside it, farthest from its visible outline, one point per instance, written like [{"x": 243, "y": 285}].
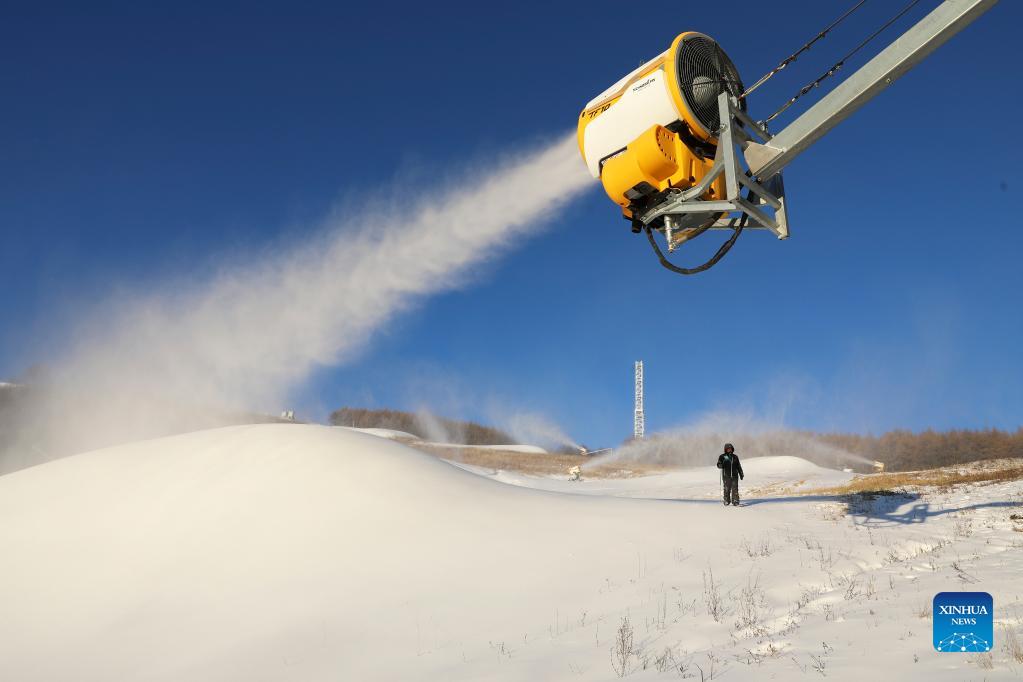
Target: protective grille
[{"x": 704, "y": 72}]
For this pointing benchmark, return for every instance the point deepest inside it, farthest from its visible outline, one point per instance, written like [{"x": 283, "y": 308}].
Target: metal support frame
[
  {"x": 767, "y": 155},
  {"x": 765, "y": 206}
]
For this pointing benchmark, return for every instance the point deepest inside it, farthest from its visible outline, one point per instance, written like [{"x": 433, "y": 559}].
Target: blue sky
[{"x": 142, "y": 142}]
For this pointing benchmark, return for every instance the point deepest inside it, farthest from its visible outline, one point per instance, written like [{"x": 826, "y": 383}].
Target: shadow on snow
[{"x": 878, "y": 508}]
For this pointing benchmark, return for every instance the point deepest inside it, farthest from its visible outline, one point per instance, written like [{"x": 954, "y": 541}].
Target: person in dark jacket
[{"x": 731, "y": 472}]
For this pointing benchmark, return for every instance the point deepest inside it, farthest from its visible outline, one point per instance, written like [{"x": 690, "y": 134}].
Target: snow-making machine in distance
[{"x": 673, "y": 145}]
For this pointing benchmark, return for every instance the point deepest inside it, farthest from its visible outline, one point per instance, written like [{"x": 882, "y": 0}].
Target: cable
[
  {"x": 791, "y": 58},
  {"x": 841, "y": 62},
  {"x": 714, "y": 259}
]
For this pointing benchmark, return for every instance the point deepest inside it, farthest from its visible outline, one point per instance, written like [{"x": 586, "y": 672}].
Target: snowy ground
[
  {"x": 392, "y": 434},
  {"x": 413, "y": 439},
  {"x": 521, "y": 449},
  {"x": 292, "y": 552},
  {"x": 766, "y": 476}
]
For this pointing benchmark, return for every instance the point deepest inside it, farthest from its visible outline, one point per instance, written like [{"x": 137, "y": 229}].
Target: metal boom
[{"x": 895, "y": 60}]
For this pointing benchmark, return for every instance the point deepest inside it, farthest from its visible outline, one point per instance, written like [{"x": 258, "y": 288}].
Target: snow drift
[
  {"x": 292, "y": 552},
  {"x": 272, "y": 552}
]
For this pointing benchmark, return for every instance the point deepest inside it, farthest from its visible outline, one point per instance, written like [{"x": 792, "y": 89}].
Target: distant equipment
[
  {"x": 639, "y": 421},
  {"x": 289, "y": 415},
  {"x": 879, "y": 467},
  {"x": 673, "y": 146}
]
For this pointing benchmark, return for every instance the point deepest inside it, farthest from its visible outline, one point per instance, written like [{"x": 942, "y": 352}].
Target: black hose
[{"x": 714, "y": 259}]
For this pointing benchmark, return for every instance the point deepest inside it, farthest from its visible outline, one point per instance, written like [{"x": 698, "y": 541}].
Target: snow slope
[
  {"x": 392, "y": 434},
  {"x": 763, "y": 475},
  {"x": 511, "y": 447},
  {"x": 293, "y": 552}
]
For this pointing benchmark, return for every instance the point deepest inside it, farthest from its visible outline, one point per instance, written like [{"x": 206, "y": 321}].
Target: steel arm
[{"x": 895, "y": 60}]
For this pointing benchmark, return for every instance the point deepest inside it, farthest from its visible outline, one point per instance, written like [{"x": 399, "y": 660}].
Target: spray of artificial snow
[
  {"x": 248, "y": 337},
  {"x": 702, "y": 440},
  {"x": 536, "y": 429}
]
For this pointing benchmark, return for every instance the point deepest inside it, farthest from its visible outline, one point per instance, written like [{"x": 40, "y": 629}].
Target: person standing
[{"x": 731, "y": 472}]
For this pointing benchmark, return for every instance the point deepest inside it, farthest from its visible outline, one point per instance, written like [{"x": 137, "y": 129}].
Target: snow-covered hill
[
  {"x": 390, "y": 434},
  {"x": 290, "y": 552},
  {"x": 393, "y": 434}
]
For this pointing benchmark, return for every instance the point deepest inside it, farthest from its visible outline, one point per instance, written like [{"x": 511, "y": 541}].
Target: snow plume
[
  {"x": 248, "y": 337},
  {"x": 434, "y": 430},
  {"x": 536, "y": 429},
  {"x": 700, "y": 442}
]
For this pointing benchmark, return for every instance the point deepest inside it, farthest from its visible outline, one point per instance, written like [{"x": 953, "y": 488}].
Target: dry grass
[
  {"x": 985, "y": 661},
  {"x": 1012, "y": 645},
  {"x": 991, "y": 471},
  {"x": 539, "y": 464}
]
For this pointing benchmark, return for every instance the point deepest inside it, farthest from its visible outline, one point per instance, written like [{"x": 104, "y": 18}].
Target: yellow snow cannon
[{"x": 655, "y": 130}]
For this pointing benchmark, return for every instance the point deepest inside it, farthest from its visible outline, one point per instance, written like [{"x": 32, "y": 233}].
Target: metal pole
[
  {"x": 639, "y": 419},
  {"x": 906, "y": 52}
]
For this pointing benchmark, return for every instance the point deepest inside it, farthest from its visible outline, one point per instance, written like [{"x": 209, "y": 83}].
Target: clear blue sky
[{"x": 138, "y": 139}]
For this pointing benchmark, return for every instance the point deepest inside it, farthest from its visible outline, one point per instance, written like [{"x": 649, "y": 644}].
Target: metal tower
[{"x": 639, "y": 424}]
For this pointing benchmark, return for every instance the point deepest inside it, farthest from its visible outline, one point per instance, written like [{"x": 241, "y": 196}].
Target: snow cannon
[
  {"x": 654, "y": 132},
  {"x": 878, "y": 467},
  {"x": 675, "y": 148}
]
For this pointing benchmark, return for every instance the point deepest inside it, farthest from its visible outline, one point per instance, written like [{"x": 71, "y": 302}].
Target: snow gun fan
[{"x": 654, "y": 134}]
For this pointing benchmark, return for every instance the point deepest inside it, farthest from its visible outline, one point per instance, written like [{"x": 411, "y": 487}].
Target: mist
[
  {"x": 699, "y": 442},
  {"x": 535, "y": 429},
  {"x": 194, "y": 354},
  {"x": 433, "y": 429}
]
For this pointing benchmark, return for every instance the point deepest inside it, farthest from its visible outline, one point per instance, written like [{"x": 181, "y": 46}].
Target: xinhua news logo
[{"x": 964, "y": 622}]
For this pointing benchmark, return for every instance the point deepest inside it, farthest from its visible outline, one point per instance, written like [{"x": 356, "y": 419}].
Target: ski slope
[
  {"x": 296, "y": 552},
  {"x": 391, "y": 434},
  {"x": 511, "y": 447},
  {"x": 764, "y": 475}
]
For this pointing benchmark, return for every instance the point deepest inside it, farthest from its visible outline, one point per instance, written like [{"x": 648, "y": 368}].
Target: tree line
[{"x": 903, "y": 450}]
